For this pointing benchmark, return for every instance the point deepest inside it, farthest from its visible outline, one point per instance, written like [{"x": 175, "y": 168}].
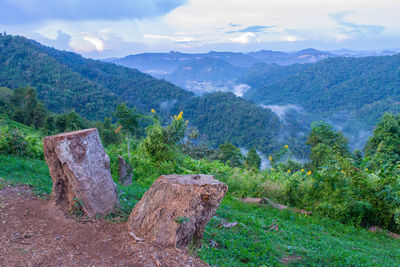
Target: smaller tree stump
[
  {"x": 80, "y": 170},
  {"x": 176, "y": 209},
  {"x": 124, "y": 172}
]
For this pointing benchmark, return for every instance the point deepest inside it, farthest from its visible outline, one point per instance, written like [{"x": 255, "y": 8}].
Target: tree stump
[
  {"x": 176, "y": 209},
  {"x": 124, "y": 172},
  {"x": 80, "y": 170}
]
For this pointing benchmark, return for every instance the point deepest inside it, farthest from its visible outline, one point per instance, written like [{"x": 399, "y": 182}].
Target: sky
[{"x": 103, "y": 28}]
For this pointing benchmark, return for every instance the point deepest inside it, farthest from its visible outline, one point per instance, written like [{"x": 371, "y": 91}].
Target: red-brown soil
[{"x": 34, "y": 233}]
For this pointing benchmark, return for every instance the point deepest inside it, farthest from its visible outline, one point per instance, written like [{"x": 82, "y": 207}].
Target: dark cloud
[
  {"x": 253, "y": 28},
  {"x": 28, "y": 11},
  {"x": 353, "y": 28}
]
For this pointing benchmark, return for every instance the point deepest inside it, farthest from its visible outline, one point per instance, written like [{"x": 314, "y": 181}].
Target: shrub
[{"x": 13, "y": 141}]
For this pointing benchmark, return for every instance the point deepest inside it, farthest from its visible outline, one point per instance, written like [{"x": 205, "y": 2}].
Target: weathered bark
[
  {"x": 176, "y": 209},
  {"x": 80, "y": 170},
  {"x": 124, "y": 172}
]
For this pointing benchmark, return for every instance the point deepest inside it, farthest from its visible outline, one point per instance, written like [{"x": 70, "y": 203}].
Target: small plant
[
  {"x": 182, "y": 220},
  {"x": 77, "y": 209}
]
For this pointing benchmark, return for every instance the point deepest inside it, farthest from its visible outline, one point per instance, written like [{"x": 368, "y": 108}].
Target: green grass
[
  {"x": 319, "y": 241},
  {"x": 31, "y": 172}
]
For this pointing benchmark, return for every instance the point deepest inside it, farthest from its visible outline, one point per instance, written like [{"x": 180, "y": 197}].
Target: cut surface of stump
[
  {"x": 124, "y": 172},
  {"x": 176, "y": 209},
  {"x": 80, "y": 170}
]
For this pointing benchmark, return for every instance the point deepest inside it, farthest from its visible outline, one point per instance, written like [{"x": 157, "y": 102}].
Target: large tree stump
[
  {"x": 176, "y": 209},
  {"x": 80, "y": 170}
]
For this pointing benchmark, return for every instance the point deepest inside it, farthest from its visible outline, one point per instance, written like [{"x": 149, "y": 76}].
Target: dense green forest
[
  {"x": 225, "y": 116},
  {"x": 350, "y": 93},
  {"x": 331, "y": 85},
  {"x": 66, "y": 81}
]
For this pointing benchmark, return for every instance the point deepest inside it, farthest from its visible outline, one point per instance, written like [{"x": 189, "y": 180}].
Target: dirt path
[{"x": 32, "y": 233}]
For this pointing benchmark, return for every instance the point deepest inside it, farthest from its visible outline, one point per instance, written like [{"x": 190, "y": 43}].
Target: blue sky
[{"x": 101, "y": 28}]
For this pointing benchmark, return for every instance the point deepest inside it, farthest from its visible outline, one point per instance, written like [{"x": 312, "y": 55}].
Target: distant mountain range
[{"x": 221, "y": 71}]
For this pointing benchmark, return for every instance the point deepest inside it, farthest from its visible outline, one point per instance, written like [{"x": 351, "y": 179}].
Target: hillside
[
  {"x": 335, "y": 84},
  {"x": 66, "y": 80},
  {"x": 225, "y": 117},
  {"x": 212, "y": 71},
  {"x": 349, "y": 93},
  {"x": 261, "y": 236}
]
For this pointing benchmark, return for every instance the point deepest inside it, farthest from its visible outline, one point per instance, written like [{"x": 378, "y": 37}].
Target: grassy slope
[{"x": 319, "y": 241}]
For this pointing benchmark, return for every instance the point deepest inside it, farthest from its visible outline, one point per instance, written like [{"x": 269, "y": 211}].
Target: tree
[
  {"x": 384, "y": 145},
  {"x": 71, "y": 121},
  {"x": 325, "y": 144},
  {"x": 230, "y": 154},
  {"x": 252, "y": 160},
  {"x": 128, "y": 118}
]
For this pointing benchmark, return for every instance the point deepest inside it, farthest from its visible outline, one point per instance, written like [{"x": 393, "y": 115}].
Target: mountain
[
  {"x": 350, "y": 93},
  {"x": 226, "y": 117},
  {"x": 335, "y": 84},
  {"x": 263, "y": 74},
  {"x": 224, "y": 71},
  {"x": 65, "y": 80},
  {"x": 212, "y": 71},
  {"x": 309, "y": 55}
]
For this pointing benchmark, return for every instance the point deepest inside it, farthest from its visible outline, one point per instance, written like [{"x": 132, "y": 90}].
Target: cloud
[
  {"x": 253, "y": 28},
  {"x": 61, "y": 42},
  {"x": 354, "y": 29},
  {"x": 170, "y": 37},
  {"x": 29, "y": 11},
  {"x": 240, "y": 89},
  {"x": 234, "y": 25},
  {"x": 245, "y": 38},
  {"x": 281, "y": 111}
]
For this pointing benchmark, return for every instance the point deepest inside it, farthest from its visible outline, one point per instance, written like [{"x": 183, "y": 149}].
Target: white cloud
[
  {"x": 244, "y": 38},
  {"x": 201, "y": 25},
  {"x": 99, "y": 44}
]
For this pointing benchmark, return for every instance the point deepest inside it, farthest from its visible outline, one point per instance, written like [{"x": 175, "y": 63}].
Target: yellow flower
[
  {"x": 302, "y": 170},
  {"x": 288, "y": 171},
  {"x": 272, "y": 169},
  {"x": 286, "y": 146},
  {"x": 153, "y": 111},
  {"x": 309, "y": 173},
  {"x": 343, "y": 172},
  {"x": 270, "y": 158}
]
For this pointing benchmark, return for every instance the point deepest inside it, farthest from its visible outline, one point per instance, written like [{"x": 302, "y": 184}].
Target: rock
[
  {"x": 274, "y": 205},
  {"x": 252, "y": 200},
  {"x": 124, "y": 173},
  {"x": 176, "y": 209},
  {"x": 80, "y": 171}
]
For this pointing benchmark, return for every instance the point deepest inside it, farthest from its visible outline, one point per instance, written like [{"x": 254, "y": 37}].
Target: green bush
[{"x": 14, "y": 142}]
